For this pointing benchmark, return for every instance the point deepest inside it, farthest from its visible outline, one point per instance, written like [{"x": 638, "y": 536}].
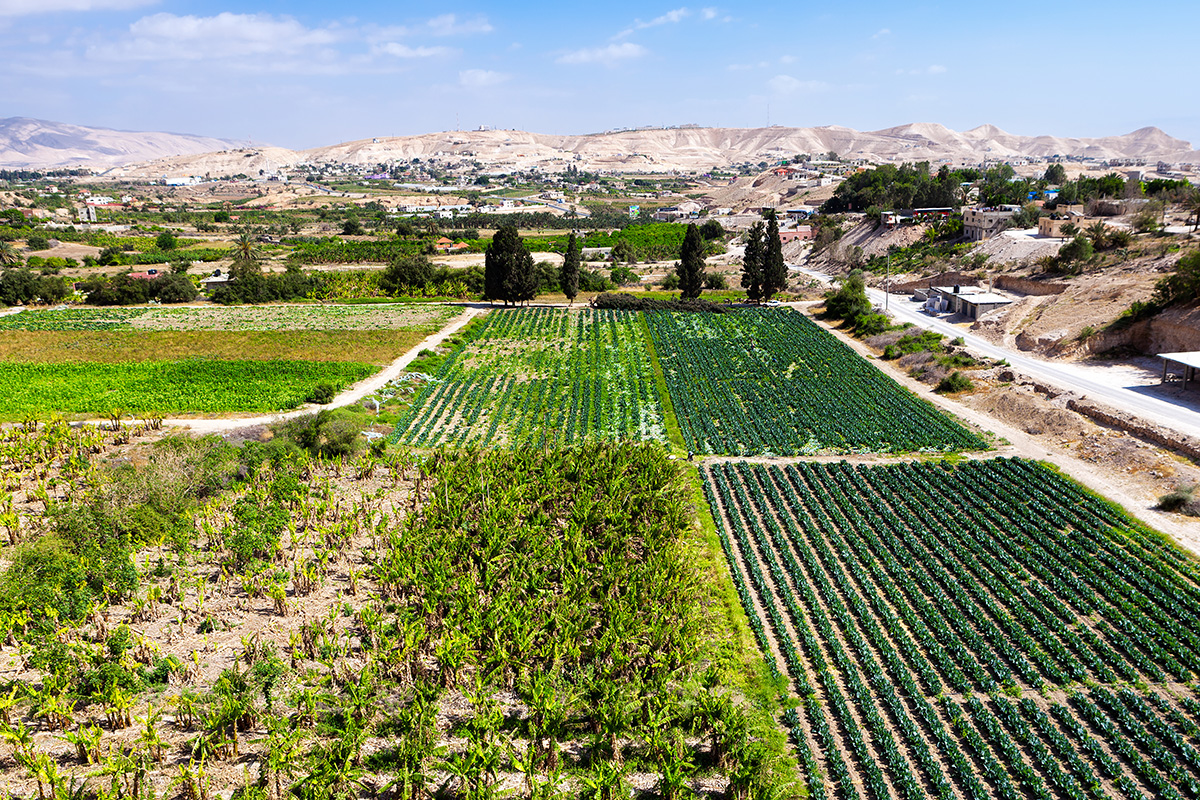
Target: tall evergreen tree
[
  {"x": 774, "y": 268},
  {"x": 752, "y": 263},
  {"x": 508, "y": 272},
  {"x": 691, "y": 264},
  {"x": 568, "y": 277}
]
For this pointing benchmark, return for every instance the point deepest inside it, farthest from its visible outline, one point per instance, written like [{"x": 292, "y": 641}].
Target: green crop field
[
  {"x": 986, "y": 630},
  {"x": 536, "y": 376},
  {"x": 771, "y": 381},
  {"x": 165, "y": 387},
  {"x": 425, "y": 317}
]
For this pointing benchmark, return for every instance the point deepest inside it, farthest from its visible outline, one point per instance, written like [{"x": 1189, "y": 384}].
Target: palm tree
[
  {"x": 1191, "y": 203},
  {"x": 246, "y": 248},
  {"x": 1098, "y": 233},
  {"x": 8, "y": 255}
]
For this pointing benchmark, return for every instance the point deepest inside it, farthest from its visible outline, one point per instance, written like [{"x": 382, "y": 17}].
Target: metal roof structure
[{"x": 1191, "y": 359}]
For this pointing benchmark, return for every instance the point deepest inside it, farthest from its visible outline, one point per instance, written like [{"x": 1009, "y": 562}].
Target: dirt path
[{"x": 349, "y": 396}]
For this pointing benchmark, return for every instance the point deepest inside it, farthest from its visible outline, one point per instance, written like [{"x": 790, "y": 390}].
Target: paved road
[{"x": 1089, "y": 381}]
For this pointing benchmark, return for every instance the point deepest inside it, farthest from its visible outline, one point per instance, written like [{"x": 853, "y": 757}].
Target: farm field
[
  {"x": 541, "y": 376},
  {"x": 770, "y": 381},
  {"x": 460, "y": 623},
  {"x": 159, "y": 388},
  {"x": 160, "y": 361},
  {"x": 423, "y": 317},
  {"x": 123, "y": 346},
  {"x": 974, "y": 631}
]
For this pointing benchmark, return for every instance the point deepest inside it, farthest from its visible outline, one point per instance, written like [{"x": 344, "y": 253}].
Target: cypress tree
[
  {"x": 752, "y": 263},
  {"x": 691, "y": 264},
  {"x": 508, "y": 273},
  {"x": 774, "y": 268},
  {"x": 568, "y": 278}
]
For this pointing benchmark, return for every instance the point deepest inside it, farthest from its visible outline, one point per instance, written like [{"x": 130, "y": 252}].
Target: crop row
[
  {"x": 237, "y": 318},
  {"x": 541, "y": 375},
  {"x": 906, "y": 602},
  {"x": 771, "y": 381}
]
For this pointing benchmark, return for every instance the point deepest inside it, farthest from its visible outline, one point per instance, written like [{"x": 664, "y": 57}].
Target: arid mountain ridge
[
  {"x": 33, "y": 143},
  {"x": 37, "y": 144}
]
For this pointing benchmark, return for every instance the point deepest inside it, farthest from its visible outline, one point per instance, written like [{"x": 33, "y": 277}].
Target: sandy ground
[
  {"x": 1014, "y": 246},
  {"x": 68, "y": 250}
]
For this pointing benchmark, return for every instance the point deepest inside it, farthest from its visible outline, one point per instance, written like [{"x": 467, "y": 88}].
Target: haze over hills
[
  {"x": 32, "y": 143},
  {"x": 37, "y": 144}
]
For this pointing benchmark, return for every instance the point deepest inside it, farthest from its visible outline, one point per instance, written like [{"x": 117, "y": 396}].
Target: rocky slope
[
  {"x": 35, "y": 143},
  {"x": 31, "y": 142}
]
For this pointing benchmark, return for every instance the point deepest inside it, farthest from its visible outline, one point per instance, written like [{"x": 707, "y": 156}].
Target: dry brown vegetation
[{"x": 371, "y": 347}]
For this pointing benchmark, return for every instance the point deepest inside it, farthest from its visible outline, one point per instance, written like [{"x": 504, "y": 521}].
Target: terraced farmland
[
  {"x": 541, "y": 376},
  {"x": 980, "y": 631},
  {"x": 771, "y": 381}
]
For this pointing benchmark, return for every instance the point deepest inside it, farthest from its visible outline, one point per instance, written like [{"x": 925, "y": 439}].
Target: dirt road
[{"x": 349, "y": 396}]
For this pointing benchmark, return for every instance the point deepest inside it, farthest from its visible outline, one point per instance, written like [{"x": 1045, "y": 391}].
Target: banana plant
[
  {"x": 86, "y": 739},
  {"x": 282, "y": 747}
]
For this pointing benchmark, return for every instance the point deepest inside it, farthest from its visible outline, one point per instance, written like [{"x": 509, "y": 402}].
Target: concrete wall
[{"x": 1028, "y": 286}]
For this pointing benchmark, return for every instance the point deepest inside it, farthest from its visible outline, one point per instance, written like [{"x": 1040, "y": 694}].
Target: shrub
[
  {"x": 715, "y": 280},
  {"x": 46, "y": 574},
  {"x": 257, "y": 531},
  {"x": 323, "y": 393},
  {"x": 850, "y": 301},
  {"x": 406, "y": 271},
  {"x": 872, "y": 324},
  {"x": 1078, "y": 249},
  {"x": 323, "y": 434},
  {"x": 953, "y": 383},
  {"x": 624, "y": 276},
  {"x": 1184, "y": 499}
]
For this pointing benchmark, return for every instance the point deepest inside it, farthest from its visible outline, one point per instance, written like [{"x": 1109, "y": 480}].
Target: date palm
[
  {"x": 9, "y": 257},
  {"x": 245, "y": 248}
]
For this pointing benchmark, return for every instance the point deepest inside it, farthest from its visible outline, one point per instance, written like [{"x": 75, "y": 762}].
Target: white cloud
[
  {"x": 932, "y": 69},
  {"x": 742, "y": 67},
  {"x": 787, "y": 59},
  {"x": 16, "y": 8},
  {"x": 170, "y": 37},
  {"x": 669, "y": 18},
  {"x": 786, "y": 84},
  {"x": 451, "y": 25},
  {"x": 404, "y": 51},
  {"x": 708, "y": 13},
  {"x": 882, "y": 32},
  {"x": 608, "y": 55},
  {"x": 479, "y": 78}
]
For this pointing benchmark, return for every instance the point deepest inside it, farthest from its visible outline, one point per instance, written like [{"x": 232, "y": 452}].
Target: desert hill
[{"x": 35, "y": 143}]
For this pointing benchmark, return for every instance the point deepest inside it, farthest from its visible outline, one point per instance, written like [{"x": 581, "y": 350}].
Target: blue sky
[{"x": 304, "y": 74}]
